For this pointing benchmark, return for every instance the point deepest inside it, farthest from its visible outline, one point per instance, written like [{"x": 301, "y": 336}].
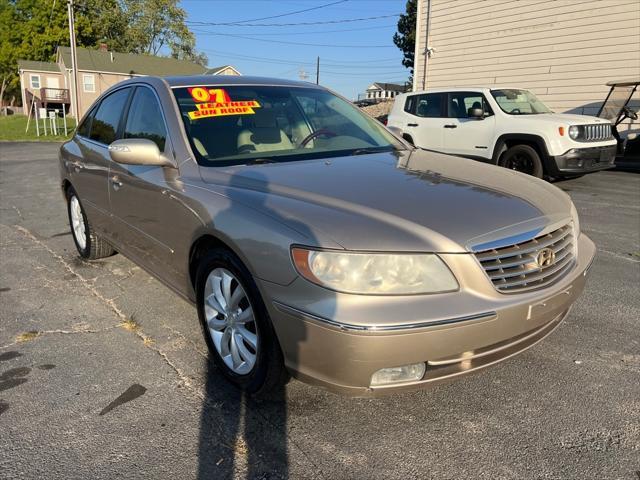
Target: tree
[
  {"x": 405, "y": 38},
  {"x": 33, "y": 29}
]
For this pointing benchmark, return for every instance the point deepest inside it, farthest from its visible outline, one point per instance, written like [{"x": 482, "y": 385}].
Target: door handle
[
  {"x": 450, "y": 125},
  {"x": 412, "y": 124},
  {"x": 116, "y": 183}
]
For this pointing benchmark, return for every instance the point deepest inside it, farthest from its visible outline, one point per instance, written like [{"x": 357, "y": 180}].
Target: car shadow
[{"x": 242, "y": 436}]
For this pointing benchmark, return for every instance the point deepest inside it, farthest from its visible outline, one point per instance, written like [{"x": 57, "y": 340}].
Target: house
[
  {"x": 384, "y": 90},
  {"x": 223, "y": 70},
  {"x": 564, "y": 52},
  {"x": 48, "y": 84}
]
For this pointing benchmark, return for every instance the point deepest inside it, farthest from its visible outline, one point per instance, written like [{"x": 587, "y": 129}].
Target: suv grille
[
  {"x": 516, "y": 268},
  {"x": 597, "y": 132}
]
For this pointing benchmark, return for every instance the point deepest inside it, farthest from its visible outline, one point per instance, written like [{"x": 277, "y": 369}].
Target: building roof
[
  {"x": 394, "y": 87},
  {"x": 38, "y": 66},
  {"x": 215, "y": 70},
  {"x": 129, "y": 63},
  {"x": 188, "y": 81}
]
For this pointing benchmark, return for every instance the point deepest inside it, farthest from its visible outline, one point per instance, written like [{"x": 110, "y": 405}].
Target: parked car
[
  {"x": 619, "y": 106},
  {"x": 504, "y": 126},
  {"x": 312, "y": 241}
]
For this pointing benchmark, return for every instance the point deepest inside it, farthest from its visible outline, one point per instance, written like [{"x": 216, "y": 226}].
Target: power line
[
  {"x": 326, "y": 22},
  {"x": 286, "y": 14},
  {"x": 258, "y": 34},
  {"x": 299, "y": 43}
]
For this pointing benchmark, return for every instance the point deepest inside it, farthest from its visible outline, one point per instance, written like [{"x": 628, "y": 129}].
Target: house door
[{"x": 53, "y": 82}]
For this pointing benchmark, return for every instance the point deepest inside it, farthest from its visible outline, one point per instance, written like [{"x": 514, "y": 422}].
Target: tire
[
  {"x": 523, "y": 158},
  {"x": 257, "y": 337},
  {"x": 90, "y": 245}
]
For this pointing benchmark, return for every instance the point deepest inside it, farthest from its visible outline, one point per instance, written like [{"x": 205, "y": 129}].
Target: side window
[
  {"x": 104, "y": 127},
  {"x": 85, "y": 127},
  {"x": 410, "y": 104},
  {"x": 460, "y": 103},
  {"x": 429, "y": 105},
  {"x": 145, "y": 118}
]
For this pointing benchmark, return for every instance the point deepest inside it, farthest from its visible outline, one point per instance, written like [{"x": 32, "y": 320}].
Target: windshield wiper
[
  {"x": 259, "y": 161},
  {"x": 364, "y": 151}
]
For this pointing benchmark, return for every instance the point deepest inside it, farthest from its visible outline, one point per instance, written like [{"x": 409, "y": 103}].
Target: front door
[
  {"x": 148, "y": 218},
  {"x": 425, "y": 120},
  {"x": 465, "y": 135}
]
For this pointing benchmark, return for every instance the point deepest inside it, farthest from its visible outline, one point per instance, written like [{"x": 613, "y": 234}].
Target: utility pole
[
  {"x": 74, "y": 62},
  {"x": 318, "y": 71}
]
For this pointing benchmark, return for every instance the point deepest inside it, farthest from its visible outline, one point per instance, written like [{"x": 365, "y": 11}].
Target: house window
[
  {"x": 35, "y": 81},
  {"x": 88, "y": 83}
]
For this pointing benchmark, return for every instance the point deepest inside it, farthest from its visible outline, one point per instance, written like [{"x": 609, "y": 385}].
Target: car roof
[
  {"x": 467, "y": 89},
  {"x": 628, "y": 82},
  {"x": 193, "y": 80}
]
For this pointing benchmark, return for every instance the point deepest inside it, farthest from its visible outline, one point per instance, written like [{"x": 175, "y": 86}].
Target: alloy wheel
[
  {"x": 77, "y": 222},
  {"x": 230, "y": 321}
]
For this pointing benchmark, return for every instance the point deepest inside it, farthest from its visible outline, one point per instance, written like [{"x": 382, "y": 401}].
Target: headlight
[
  {"x": 574, "y": 132},
  {"x": 374, "y": 273}
]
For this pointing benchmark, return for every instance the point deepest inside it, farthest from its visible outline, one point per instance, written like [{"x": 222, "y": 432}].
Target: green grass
[{"x": 12, "y": 129}]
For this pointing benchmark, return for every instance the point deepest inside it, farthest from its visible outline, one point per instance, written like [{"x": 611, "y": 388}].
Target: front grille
[
  {"x": 515, "y": 268},
  {"x": 597, "y": 132}
]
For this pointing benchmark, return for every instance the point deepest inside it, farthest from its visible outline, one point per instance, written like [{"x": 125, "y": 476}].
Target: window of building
[
  {"x": 104, "y": 127},
  {"x": 34, "y": 81},
  {"x": 145, "y": 118},
  {"x": 89, "y": 83}
]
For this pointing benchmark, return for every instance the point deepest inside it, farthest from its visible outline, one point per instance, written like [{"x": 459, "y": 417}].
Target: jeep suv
[{"x": 505, "y": 126}]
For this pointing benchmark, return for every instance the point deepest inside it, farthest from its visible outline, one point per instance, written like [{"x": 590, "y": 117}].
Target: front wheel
[
  {"x": 523, "y": 158},
  {"x": 236, "y": 324}
]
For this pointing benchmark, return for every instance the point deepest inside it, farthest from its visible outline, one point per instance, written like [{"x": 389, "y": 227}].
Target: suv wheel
[
  {"x": 90, "y": 246},
  {"x": 523, "y": 158},
  {"x": 236, "y": 324}
]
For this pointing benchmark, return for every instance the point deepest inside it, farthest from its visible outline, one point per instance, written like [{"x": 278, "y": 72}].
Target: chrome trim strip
[
  {"x": 507, "y": 241},
  {"x": 382, "y": 328}
]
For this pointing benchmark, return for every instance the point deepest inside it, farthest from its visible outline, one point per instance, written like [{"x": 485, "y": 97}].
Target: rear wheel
[
  {"x": 89, "y": 244},
  {"x": 236, "y": 324},
  {"x": 523, "y": 158}
]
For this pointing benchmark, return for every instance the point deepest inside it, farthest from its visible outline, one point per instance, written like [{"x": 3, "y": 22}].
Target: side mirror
[
  {"x": 137, "y": 151},
  {"x": 477, "y": 113}
]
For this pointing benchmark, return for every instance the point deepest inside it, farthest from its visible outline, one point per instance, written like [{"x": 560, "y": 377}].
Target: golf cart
[{"x": 623, "y": 103}]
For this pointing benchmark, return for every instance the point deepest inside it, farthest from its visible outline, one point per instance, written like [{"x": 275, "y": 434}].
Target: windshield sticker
[{"x": 215, "y": 102}]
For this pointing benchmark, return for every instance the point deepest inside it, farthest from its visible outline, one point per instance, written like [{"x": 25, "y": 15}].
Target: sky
[{"x": 353, "y": 54}]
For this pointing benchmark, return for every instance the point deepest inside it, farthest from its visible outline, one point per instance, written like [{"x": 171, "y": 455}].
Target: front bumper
[
  {"x": 584, "y": 160},
  {"x": 466, "y": 330}
]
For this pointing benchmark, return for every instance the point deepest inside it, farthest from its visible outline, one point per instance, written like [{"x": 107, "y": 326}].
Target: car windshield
[
  {"x": 236, "y": 125},
  {"x": 619, "y": 97},
  {"x": 519, "y": 102}
]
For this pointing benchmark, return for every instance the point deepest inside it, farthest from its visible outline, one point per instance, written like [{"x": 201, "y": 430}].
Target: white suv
[{"x": 504, "y": 126}]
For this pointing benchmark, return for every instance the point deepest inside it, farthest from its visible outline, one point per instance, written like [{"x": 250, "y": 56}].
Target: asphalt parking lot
[{"x": 104, "y": 374}]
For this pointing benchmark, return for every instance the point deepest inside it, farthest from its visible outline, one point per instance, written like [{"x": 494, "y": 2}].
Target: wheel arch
[
  {"x": 506, "y": 141},
  {"x": 201, "y": 245}
]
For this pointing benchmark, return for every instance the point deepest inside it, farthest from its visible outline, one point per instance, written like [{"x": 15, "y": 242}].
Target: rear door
[
  {"x": 465, "y": 135},
  {"x": 425, "y": 119},
  {"x": 92, "y": 168}
]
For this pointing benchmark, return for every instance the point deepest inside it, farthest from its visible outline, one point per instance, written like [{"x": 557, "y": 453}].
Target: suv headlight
[
  {"x": 574, "y": 132},
  {"x": 374, "y": 273}
]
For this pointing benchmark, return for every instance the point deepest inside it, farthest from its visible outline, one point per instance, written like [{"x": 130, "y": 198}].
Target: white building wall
[{"x": 563, "y": 50}]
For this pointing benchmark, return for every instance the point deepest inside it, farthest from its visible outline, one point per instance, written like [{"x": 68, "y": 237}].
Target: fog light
[{"x": 406, "y": 373}]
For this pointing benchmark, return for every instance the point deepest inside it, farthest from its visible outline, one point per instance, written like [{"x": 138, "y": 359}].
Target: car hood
[
  {"x": 563, "y": 118},
  {"x": 396, "y": 201}
]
